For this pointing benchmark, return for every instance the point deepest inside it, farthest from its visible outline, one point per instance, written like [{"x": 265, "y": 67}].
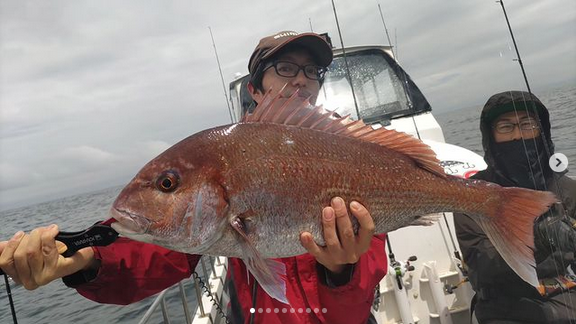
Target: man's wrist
[
  {"x": 336, "y": 269},
  {"x": 336, "y": 279}
]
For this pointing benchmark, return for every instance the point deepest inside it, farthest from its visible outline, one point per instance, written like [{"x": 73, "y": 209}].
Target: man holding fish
[{"x": 332, "y": 283}]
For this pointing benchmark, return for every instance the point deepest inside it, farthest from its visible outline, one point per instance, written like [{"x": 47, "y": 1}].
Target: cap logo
[{"x": 285, "y": 34}]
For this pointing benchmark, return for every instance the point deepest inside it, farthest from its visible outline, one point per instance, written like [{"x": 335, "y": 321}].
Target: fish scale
[{"x": 315, "y": 169}]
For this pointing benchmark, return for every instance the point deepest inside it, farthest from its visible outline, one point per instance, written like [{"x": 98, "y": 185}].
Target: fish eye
[{"x": 168, "y": 181}]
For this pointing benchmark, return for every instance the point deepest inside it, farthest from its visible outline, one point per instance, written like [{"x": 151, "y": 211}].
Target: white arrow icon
[{"x": 558, "y": 162}]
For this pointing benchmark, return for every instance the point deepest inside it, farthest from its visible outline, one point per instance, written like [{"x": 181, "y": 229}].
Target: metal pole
[
  {"x": 185, "y": 303},
  {"x": 221, "y": 76},
  {"x": 386, "y": 30}
]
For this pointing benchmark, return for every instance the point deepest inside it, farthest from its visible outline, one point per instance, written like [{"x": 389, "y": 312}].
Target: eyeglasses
[
  {"x": 524, "y": 125},
  {"x": 290, "y": 70}
]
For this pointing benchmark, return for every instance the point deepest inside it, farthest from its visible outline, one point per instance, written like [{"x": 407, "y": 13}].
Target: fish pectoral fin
[{"x": 269, "y": 273}]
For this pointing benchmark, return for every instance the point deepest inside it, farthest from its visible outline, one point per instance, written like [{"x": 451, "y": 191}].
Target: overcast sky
[{"x": 92, "y": 90}]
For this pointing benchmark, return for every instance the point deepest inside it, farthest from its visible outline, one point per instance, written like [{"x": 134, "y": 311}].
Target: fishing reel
[{"x": 401, "y": 267}]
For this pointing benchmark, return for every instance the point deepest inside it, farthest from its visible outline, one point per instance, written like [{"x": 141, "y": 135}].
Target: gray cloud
[{"x": 90, "y": 91}]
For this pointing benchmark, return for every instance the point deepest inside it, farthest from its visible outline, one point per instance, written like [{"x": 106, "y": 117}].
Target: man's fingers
[
  {"x": 22, "y": 265},
  {"x": 2, "y": 246},
  {"x": 309, "y": 244},
  {"x": 49, "y": 249},
  {"x": 7, "y": 256},
  {"x": 34, "y": 251},
  {"x": 345, "y": 229},
  {"x": 366, "y": 230},
  {"x": 329, "y": 229}
]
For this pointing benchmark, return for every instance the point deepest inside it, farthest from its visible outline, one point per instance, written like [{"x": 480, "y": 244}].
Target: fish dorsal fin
[{"x": 298, "y": 111}]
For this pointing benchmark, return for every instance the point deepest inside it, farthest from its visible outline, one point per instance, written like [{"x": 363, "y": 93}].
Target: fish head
[{"x": 171, "y": 202}]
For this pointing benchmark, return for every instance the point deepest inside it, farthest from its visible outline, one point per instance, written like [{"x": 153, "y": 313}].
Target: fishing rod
[
  {"x": 542, "y": 134},
  {"x": 346, "y": 61},
  {"x": 519, "y": 59},
  {"x": 11, "y": 301},
  {"x": 532, "y": 104},
  {"x": 221, "y": 76},
  {"x": 99, "y": 234}
]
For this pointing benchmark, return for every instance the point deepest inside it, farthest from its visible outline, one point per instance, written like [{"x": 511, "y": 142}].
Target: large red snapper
[{"x": 248, "y": 190}]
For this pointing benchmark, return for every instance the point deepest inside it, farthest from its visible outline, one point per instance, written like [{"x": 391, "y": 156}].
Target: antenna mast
[
  {"x": 386, "y": 30},
  {"x": 221, "y": 76}
]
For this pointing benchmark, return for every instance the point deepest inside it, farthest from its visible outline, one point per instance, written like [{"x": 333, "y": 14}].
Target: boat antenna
[
  {"x": 396, "y": 44},
  {"x": 404, "y": 78},
  {"x": 310, "y": 22},
  {"x": 221, "y": 76},
  {"x": 386, "y": 30},
  {"x": 346, "y": 61},
  {"x": 9, "y": 292}
]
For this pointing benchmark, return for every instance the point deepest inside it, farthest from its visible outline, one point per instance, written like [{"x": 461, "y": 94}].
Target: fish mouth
[{"x": 128, "y": 222}]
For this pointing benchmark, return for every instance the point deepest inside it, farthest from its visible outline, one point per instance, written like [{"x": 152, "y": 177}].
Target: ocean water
[{"x": 55, "y": 303}]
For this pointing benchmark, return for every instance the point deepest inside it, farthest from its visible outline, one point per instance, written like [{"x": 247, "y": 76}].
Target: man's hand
[
  {"x": 33, "y": 259},
  {"x": 342, "y": 246}
]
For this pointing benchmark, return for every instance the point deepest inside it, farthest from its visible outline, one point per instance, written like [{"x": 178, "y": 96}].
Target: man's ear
[{"x": 254, "y": 93}]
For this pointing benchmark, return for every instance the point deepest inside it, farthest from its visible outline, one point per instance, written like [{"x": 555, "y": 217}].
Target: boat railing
[{"x": 208, "y": 285}]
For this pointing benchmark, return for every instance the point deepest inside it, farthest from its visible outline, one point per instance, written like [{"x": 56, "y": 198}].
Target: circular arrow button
[{"x": 558, "y": 162}]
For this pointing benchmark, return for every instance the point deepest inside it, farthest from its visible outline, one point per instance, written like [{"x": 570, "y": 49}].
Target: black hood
[{"x": 504, "y": 102}]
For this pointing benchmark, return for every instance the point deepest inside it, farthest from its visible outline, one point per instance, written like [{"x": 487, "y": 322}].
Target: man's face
[
  {"x": 274, "y": 82},
  {"x": 514, "y": 126}
]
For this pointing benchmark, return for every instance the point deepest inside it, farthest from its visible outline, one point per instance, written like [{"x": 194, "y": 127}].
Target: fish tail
[{"x": 509, "y": 224}]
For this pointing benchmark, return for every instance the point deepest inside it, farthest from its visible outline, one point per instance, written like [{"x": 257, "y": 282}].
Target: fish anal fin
[
  {"x": 269, "y": 273},
  {"x": 297, "y": 111}
]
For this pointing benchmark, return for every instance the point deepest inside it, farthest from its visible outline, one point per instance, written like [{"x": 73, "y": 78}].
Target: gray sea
[{"x": 56, "y": 303}]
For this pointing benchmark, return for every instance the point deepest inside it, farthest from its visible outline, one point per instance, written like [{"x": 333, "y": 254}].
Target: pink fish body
[{"x": 248, "y": 190}]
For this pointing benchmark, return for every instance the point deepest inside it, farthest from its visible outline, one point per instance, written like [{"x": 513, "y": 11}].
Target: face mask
[{"x": 526, "y": 166}]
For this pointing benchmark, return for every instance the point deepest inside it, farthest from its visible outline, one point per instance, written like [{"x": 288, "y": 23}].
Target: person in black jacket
[{"x": 517, "y": 143}]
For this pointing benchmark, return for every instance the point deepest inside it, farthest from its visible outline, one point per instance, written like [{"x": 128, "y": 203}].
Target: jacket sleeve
[
  {"x": 130, "y": 271},
  {"x": 356, "y": 296},
  {"x": 485, "y": 265}
]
